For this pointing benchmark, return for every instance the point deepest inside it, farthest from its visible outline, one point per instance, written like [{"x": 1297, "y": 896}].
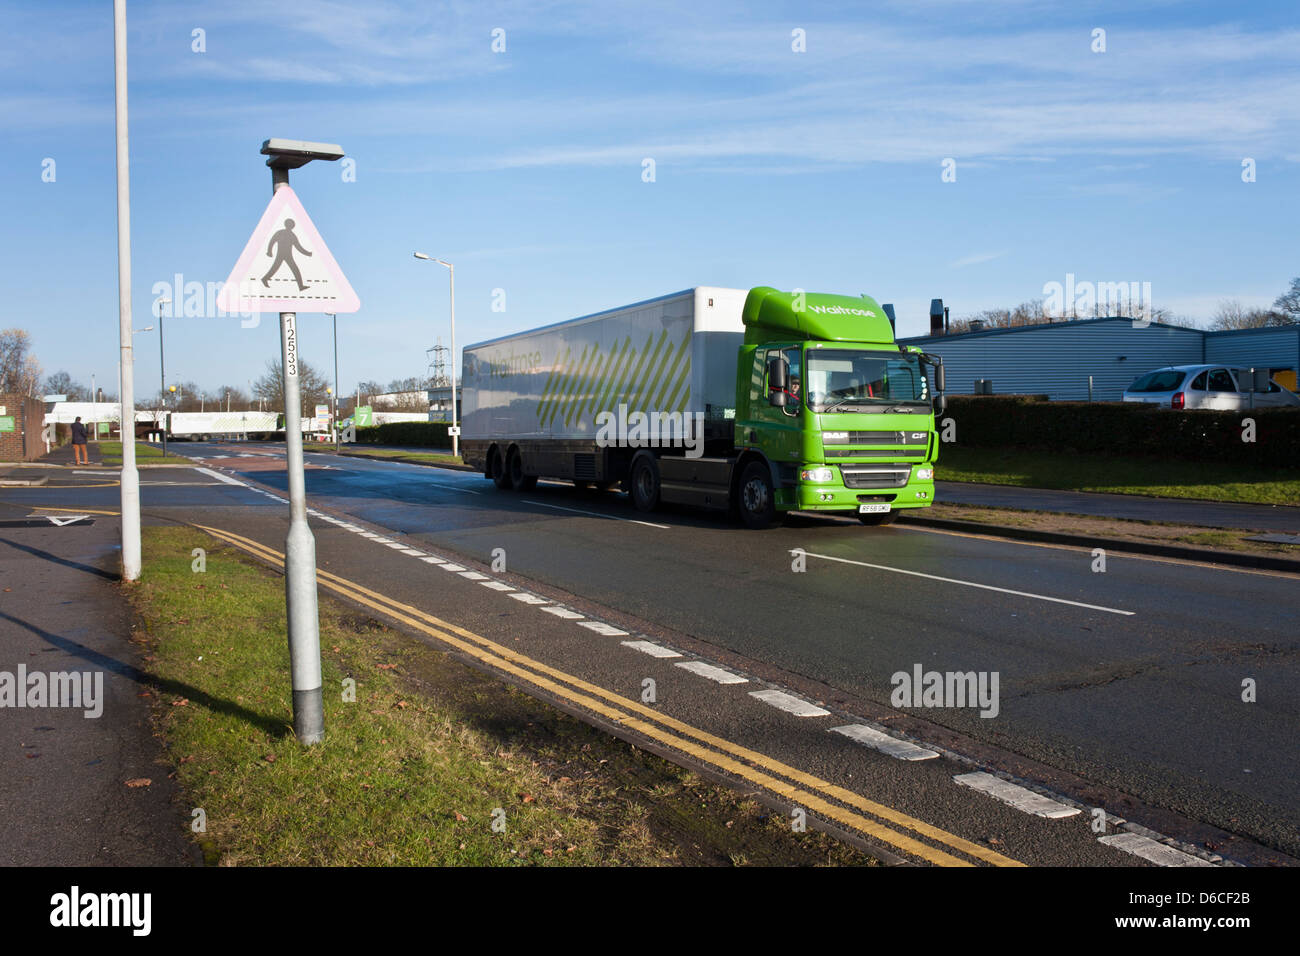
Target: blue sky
[{"x": 818, "y": 169}]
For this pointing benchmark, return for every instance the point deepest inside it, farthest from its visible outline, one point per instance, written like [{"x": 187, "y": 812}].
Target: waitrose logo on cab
[{"x": 839, "y": 310}]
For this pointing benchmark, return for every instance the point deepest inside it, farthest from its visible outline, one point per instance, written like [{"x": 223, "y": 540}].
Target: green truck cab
[{"x": 844, "y": 416}]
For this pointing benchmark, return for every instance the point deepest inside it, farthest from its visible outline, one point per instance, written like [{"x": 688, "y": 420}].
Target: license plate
[{"x": 873, "y": 509}]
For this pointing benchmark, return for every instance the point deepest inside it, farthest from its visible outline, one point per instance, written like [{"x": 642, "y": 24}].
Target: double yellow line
[{"x": 805, "y": 790}]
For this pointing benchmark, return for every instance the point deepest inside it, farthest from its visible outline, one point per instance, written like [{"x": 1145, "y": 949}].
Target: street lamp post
[
  {"x": 299, "y": 546},
  {"x": 334, "y": 395},
  {"x": 455, "y": 426},
  {"x": 163, "y": 300}
]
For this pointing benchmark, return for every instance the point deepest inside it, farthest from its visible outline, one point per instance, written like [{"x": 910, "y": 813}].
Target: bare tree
[
  {"x": 1231, "y": 314},
  {"x": 1288, "y": 303},
  {"x": 61, "y": 383},
  {"x": 19, "y": 370},
  {"x": 312, "y": 384}
]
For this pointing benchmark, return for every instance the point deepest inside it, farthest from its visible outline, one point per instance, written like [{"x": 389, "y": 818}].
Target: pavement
[
  {"x": 1205, "y": 514},
  {"x": 71, "y": 791}
]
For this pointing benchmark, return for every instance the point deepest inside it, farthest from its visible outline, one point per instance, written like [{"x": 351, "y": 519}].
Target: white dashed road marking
[
  {"x": 220, "y": 477},
  {"x": 1016, "y": 796},
  {"x": 971, "y": 584},
  {"x": 528, "y": 598},
  {"x": 902, "y": 749},
  {"x": 651, "y": 648},
  {"x": 1152, "y": 851},
  {"x": 563, "y": 612},
  {"x": 602, "y": 628},
  {"x": 712, "y": 673},
  {"x": 597, "y": 514},
  {"x": 496, "y": 585},
  {"x": 789, "y": 703}
]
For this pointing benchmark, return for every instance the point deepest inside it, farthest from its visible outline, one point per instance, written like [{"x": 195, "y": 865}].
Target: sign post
[{"x": 304, "y": 275}]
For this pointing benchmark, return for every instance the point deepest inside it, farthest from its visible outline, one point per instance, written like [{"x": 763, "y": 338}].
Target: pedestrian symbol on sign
[{"x": 285, "y": 242}]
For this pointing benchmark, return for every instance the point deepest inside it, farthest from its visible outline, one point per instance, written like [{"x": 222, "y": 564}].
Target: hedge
[
  {"x": 413, "y": 434},
  {"x": 1126, "y": 429}
]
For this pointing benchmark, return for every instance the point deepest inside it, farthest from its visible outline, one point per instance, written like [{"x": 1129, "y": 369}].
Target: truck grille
[
  {"x": 917, "y": 453},
  {"x": 917, "y": 437},
  {"x": 869, "y": 476}
]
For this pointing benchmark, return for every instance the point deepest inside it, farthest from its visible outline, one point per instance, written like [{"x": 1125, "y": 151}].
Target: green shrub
[
  {"x": 412, "y": 434},
  {"x": 1126, "y": 429}
]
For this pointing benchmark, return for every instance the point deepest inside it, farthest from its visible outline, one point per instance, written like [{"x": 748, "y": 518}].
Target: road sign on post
[{"x": 302, "y": 275}]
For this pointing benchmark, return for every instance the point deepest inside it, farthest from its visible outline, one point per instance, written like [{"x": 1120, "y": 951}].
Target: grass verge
[
  {"x": 418, "y": 768},
  {"x": 111, "y": 454},
  {"x": 415, "y": 457},
  {"x": 1211, "y": 481},
  {"x": 1152, "y": 532}
]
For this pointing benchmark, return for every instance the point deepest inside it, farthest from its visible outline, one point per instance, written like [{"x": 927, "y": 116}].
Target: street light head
[
  {"x": 292, "y": 153},
  {"x": 421, "y": 255}
]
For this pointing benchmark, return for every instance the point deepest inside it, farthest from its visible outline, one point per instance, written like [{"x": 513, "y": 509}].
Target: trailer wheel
[
  {"x": 645, "y": 483},
  {"x": 497, "y": 471},
  {"x": 889, "y": 517},
  {"x": 756, "y": 500},
  {"x": 518, "y": 480}
]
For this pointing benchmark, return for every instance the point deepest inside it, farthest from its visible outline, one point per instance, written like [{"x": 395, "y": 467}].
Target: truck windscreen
[{"x": 839, "y": 377}]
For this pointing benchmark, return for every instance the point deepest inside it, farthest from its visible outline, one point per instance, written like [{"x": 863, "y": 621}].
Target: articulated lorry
[{"x": 760, "y": 403}]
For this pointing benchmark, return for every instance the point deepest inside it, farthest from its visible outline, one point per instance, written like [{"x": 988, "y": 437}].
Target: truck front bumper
[{"x": 834, "y": 496}]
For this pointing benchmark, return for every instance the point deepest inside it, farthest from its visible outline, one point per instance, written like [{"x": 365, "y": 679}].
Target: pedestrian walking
[{"x": 79, "y": 442}]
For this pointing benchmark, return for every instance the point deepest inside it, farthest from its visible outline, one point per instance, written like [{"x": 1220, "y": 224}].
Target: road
[{"x": 1120, "y": 688}]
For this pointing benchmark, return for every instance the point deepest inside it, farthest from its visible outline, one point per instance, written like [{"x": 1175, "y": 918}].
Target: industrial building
[{"x": 1057, "y": 359}]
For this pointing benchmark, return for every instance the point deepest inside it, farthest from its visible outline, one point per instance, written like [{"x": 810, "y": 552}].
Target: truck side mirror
[
  {"x": 939, "y": 381},
  {"x": 940, "y": 403},
  {"x": 778, "y": 381}
]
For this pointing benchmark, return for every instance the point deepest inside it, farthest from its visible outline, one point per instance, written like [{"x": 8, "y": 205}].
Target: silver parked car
[{"x": 1205, "y": 386}]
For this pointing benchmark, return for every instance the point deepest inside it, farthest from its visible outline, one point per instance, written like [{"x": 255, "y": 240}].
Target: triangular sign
[{"x": 286, "y": 266}]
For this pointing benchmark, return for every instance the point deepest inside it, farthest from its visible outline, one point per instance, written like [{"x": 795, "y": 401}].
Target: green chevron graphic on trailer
[{"x": 654, "y": 377}]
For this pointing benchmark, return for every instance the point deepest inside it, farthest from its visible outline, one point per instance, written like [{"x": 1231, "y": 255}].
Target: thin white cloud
[{"x": 976, "y": 259}]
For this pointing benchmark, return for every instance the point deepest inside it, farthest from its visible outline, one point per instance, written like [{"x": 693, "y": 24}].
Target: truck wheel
[
  {"x": 518, "y": 480},
  {"x": 645, "y": 483},
  {"x": 756, "y": 501},
  {"x": 497, "y": 471},
  {"x": 878, "y": 519}
]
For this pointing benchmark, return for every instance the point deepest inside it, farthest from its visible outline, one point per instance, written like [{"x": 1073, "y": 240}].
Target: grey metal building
[{"x": 1056, "y": 359}]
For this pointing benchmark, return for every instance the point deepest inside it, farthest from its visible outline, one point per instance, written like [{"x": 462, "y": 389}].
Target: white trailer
[
  {"x": 542, "y": 401},
  {"x": 201, "y": 425}
]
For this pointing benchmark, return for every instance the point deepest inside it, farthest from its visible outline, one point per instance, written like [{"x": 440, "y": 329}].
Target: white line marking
[
  {"x": 1149, "y": 849},
  {"x": 432, "y": 560},
  {"x": 453, "y": 567},
  {"x": 61, "y": 522},
  {"x": 596, "y": 514},
  {"x": 902, "y": 749},
  {"x": 101, "y": 474},
  {"x": 712, "y": 673},
  {"x": 496, "y": 585},
  {"x": 418, "y": 554},
  {"x": 473, "y": 576},
  {"x": 651, "y": 648},
  {"x": 1016, "y": 796},
  {"x": 971, "y": 584},
  {"x": 563, "y": 612},
  {"x": 396, "y": 545},
  {"x": 600, "y": 627},
  {"x": 789, "y": 703},
  {"x": 220, "y": 477},
  {"x": 528, "y": 598}
]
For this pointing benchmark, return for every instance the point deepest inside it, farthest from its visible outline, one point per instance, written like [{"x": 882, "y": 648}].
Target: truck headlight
[
  {"x": 923, "y": 474},
  {"x": 820, "y": 475}
]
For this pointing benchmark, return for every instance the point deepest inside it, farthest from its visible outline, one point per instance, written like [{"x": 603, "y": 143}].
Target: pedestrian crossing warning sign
[{"x": 286, "y": 266}]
